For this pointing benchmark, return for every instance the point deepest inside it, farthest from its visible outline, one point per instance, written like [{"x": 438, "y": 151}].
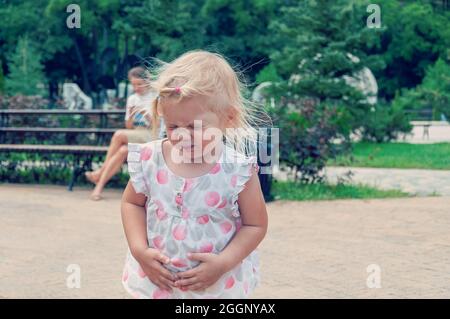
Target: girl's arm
[
  {"x": 254, "y": 227},
  {"x": 134, "y": 220},
  {"x": 135, "y": 226}
]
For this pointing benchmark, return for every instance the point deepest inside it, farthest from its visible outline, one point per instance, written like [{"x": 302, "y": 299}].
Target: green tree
[
  {"x": 239, "y": 30},
  {"x": 323, "y": 44},
  {"x": 433, "y": 93},
  {"x": 416, "y": 35},
  {"x": 2, "y": 78},
  {"x": 25, "y": 70}
]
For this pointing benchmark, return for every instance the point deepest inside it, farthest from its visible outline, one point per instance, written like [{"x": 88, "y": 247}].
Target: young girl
[{"x": 193, "y": 221}]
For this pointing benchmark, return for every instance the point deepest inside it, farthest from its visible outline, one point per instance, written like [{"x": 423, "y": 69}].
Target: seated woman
[{"x": 137, "y": 130}]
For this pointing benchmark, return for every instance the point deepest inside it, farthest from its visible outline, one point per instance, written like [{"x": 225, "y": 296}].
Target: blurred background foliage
[{"x": 301, "y": 46}]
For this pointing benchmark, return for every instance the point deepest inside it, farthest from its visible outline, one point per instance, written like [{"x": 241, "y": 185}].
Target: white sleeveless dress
[{"x": 185, "y": 215}]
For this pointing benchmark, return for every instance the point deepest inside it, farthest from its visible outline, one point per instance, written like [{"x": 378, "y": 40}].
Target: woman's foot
[
  {"x": 93, "y": 177},
  {"x": 96, "y": 196}
]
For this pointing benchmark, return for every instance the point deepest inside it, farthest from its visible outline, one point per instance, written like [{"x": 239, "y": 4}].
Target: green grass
[
  {"x": 303, "y": 192},
  {"x": 397, "y": 155}
]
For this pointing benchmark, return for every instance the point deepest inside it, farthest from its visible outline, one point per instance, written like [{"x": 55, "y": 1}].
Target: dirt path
[
  {"x": 422, "y": 182},
  {"x": 313, "y": 249}
]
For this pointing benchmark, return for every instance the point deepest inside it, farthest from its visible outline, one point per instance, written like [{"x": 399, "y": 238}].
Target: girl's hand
[
  {"x": 210, "y": 269},
  {"x": 151, "y": 261}
]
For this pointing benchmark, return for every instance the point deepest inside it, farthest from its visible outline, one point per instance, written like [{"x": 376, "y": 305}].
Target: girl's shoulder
[
  {"x": 143, "y": 153},
  {"x": 233, "y": 157},
  {"x": 140, "y": 160},
  {"x": 239, "y": 168}
]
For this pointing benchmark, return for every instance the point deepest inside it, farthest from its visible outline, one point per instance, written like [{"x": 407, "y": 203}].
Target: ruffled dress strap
[
  {"x": 246, "y": 167},
  {"x": 136, "y": 154}
]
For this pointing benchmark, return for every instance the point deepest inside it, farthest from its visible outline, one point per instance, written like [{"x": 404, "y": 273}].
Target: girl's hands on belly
[
  {"x": 151, "y": 262},
  {"x": 210, "y": 269}
]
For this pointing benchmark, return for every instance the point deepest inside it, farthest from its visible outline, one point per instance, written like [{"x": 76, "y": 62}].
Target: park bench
[
  {"x": 425, "y": 118},
  {"x": 83, "y": 154},
  {"x": 422, "y": 118}
]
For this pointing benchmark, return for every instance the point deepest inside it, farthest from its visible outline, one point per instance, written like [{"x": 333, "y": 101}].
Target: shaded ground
[{"x": 312, "y": 250}]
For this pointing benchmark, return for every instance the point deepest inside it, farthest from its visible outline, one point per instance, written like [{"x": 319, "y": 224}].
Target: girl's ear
[
  {"x": 231, "y": 117},
  {"x": 159, "y": 109}
]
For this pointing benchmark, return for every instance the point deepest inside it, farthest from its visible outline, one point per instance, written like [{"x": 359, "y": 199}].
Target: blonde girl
[{"x": 193, "y": 211}]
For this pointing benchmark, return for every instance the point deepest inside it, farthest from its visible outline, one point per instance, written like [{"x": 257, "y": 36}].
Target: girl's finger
[
  {"x": 167, "y": 282},
  {"x": 169, "y": 276},
  {"x": 162, "y": 259},
  {"x": 163, "y": 286},
  {"x": 196, "y": 287},
  {"x": 165, "y": 273},
  {"x": 186, "y": 282},
  {"x": 188, "y": 273}
]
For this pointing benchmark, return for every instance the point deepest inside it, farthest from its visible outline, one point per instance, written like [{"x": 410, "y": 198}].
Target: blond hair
[
  {"x": 202, "y": 73},
  {"x": 139, "y": 72}
]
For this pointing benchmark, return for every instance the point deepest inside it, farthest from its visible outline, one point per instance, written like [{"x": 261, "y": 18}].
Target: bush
[
  {"x": 19, "y": 101},
  {"x": 53, "y": 169},
  {"x": 307, "y": 138},
  {"x": 385, "y": 122}
]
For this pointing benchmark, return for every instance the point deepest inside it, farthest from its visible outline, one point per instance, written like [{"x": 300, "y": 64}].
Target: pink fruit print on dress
[
  {"x": 135, "y": 295},
  {"x": 226, "y": 227},
  {"x": 184, "y": 213},
  {"x": 212, "y": 199},
  {"x": 246, "y": 288},
  {"x": 125, "y": 275},
  {"x": 158, "y": 242},
  {"x": 234, "y": 180},
  {"x": 179, "y": 232},
  {"x": 141, "y": 272},
  {"x": 160, "y": 214},
  {"x": 229, "y": 282},
  {"x": 162, "y": 177},
  {"x": 223, "y": 203},
  {"x": 179, "y": 262},
  {"x": 206, "y": 248},
  {"x": 215, "y": 169},
  {"x": 158, "y": 204},
  {"x": 161, "y": 294},
  {"x": 204, "y": 219},
  {"x": 146, "y": 153}
]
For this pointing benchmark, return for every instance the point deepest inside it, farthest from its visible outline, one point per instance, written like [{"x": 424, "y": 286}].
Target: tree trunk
[{"x": 86, "y": 85}]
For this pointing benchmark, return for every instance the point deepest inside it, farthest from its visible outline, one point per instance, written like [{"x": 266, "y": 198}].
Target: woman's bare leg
[
  {"x": 110, "y": 169},
  {"x": 118, "y": 139}
]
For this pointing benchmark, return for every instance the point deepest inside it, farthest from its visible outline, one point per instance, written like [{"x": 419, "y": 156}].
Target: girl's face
[
  {"x": 140, "y": 86},
  {"x": 191, "y": 127}
]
